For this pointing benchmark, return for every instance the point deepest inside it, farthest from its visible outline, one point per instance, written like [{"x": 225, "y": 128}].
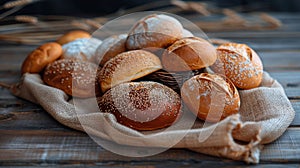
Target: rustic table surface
[{"x": 31, "y": 137}]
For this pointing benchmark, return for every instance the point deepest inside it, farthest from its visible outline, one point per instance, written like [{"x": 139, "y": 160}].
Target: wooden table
[{"x": 31, "y": 137}]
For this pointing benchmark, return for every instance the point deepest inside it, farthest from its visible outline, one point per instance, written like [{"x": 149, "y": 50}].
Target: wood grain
[{"x": 30, "y": 137}]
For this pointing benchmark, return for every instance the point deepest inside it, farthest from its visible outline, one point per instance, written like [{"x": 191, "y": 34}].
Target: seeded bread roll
[
  {"x": 210, "y": 97},
  {"x": 189, "y": 53},
  {"x": 142, "y": 105},
  {"x": 39, "y": 58},
  {"x": 240, "y": 64},
  {"x": 154, "y": 31},
  {"x": 110, "y": 47},
  {"x": 126, "y": 67},
  {"x": 73, "y": 35},
  {"x": 74, "y": 77},
  {"x": 82, "y": 49}
]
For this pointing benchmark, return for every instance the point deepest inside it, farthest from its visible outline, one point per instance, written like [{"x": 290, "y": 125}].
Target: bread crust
[
  {"x": 76, "y": 78},
  {"x": 203, "y": 94},
  {"x": 39, "y": 58},
  {"x": 142, "y": 106},
  {"x": 240, "y": 64},
  {"x": 72, "y": 35},
  {"x": 126, "y": 67},
  {"x": 189, "y": 53}
]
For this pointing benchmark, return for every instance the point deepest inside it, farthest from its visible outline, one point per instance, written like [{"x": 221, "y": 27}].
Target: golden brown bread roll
[
  {"x": 210, "y": 97},
  {"x": 110, "y": 47},
  {"x": 240, "y": 64},
  {"x": 155, "y": 31},
  {"x": 189, "y": 53},
  {"x": 127, "y": 66},
  {"x": 72, "y": 35},
  {"x": 76, "y": 78},
  {"x": 82, "y": 49},
  {"x": 142, "y": 105},
  {"x": 39, "y": 58}
]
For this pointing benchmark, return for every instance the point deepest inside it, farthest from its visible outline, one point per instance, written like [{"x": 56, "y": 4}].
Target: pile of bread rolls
[{"x": 122, "y": 66}]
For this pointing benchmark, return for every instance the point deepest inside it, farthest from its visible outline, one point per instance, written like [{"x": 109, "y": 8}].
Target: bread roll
[
  {"x": 82, "y": 49},
  {"x": 142, "y": 105},
  {"x": 189, "y": 53},
  {"x": 110, "y": 47},
  {"x": 72, "y": 35},
  {"x": 126, "y": 67},
  {"x": 210, "y": 97},
  {"x": 156, "y": 31},
  {"x": 76, "y": 78},
  {"x": 240, "y": 64},
  {"x": 187, "y": 33},
  {"x": 39, "y": 58}
]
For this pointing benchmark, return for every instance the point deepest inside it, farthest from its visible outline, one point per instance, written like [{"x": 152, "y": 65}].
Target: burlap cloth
[{"x": 264, "y": 116}]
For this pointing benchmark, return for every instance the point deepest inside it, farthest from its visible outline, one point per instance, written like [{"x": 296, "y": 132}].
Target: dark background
[{"x": 103, "y": 7}]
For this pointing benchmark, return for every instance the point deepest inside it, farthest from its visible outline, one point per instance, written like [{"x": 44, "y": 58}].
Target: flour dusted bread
[
  {"x": 154, "y": 31},
  {"x": 39, "y": 58},
  {"x": 76, "y": 78},
  {"x": 142, "y": 105},
  {"x": 240, "y": 64},
  {"x": 72, "y": 35},
  {"x": 189, "y": 53},
  {"x": 126, "y": 67},
  {"x": 211, "y": 97},
  {"x": 83, "y": 49},
  {"x": 110, "y": 47}
]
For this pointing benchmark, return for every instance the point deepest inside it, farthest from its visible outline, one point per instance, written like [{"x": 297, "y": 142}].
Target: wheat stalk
[
  {"x": 12, "y": 4},
  {"x": 26, "y": 19}
]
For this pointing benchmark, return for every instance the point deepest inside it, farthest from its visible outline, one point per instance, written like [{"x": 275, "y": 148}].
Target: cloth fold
[{"x": 264, "y": 116}]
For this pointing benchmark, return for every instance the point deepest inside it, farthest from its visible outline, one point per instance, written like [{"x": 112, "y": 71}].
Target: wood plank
[{"x": 43, "y": 146}]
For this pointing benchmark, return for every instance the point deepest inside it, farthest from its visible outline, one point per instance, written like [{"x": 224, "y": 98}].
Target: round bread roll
[
  {"x": 72, "y": 35},
  {"x": 126, "y": 67},
  {"x": 82, "y": 49},
  {"x": 142, "y": 105},
  {"x": 110, "y": 47},
  {"x": 189, "y": 53},
  {"x": 156, "y": 31},
  {"x": 187, "y": 33},
  {"x": 76, "y": 78},
  {"x": 39, "y": 58},
  {"x": 240, "y": 64},
  {"x": 210, "y": 97}
]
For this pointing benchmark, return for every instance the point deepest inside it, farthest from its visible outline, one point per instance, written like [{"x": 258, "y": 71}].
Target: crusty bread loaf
[
  {"x": 142, "y": 105},
  {"x": 82, "y": 49},
  {"x": 110, "y": 47},
  {"x": 126, "y": 67},
  {"x": 240, "y": 64},
  {"x": 76, "y": 78},
  {"x": 189, "y": 53},
  {"x": 39, "y": 58},
  {"x": 187, "y": 33},
  {"x": 210, "y": 97},
  {"x": 72, "y": 35},
  {"x": 154, "y": 31}
]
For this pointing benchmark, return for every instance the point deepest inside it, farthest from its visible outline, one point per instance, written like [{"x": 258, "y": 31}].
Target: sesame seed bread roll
[
  {"x": 39, "y": 58},
  {"x": 203, "y": 94},
  {"x": 142, "y": 105},
  {"x": 74, "y": 77},
  {"x": 240, "y": 64},
  {"x": 154, "y": 31},
  {"x": 126, "y": 67},
  {"x": 189, "y": 53},
  {"x": 110, "y": 47},
  {"x": 72, "y": 35},
  {"x": 81, "y": 49}
]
